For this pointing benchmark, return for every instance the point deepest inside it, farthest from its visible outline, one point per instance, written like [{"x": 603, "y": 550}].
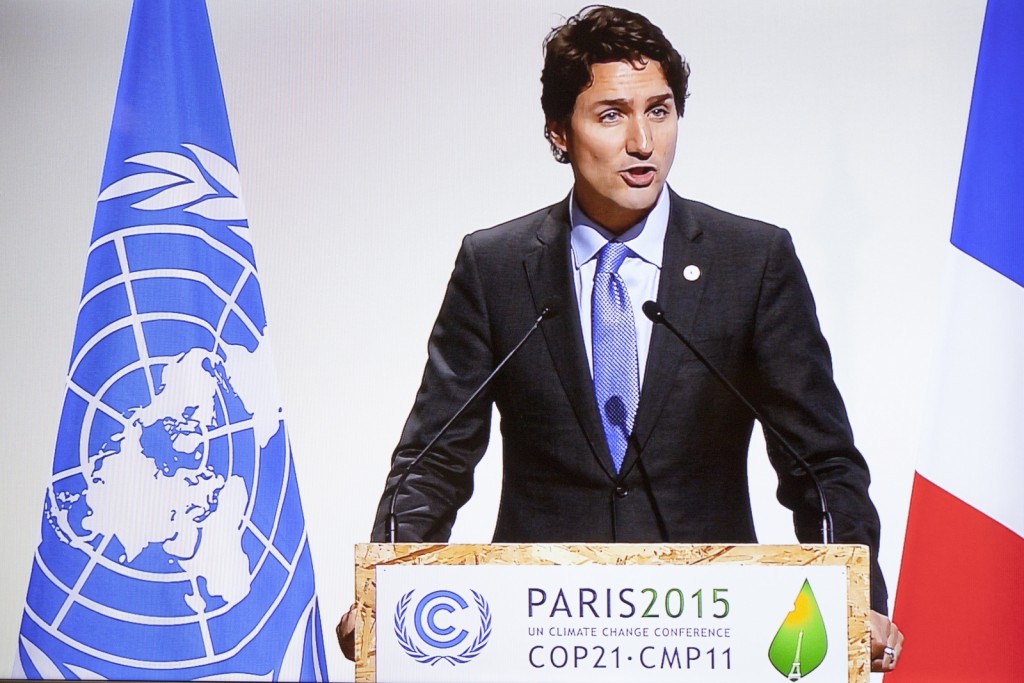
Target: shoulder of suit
[
  {"x": 702, "y": 221},
  {"x": 522, "y": 230},
  {"x": 709, "y": 217}
]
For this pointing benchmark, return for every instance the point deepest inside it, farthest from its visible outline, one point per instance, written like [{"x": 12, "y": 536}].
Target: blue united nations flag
[{"x": 173, "y": 542}]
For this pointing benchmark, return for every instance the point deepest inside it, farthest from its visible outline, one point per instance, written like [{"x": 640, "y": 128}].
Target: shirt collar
[{"x": 646, "y": 239}]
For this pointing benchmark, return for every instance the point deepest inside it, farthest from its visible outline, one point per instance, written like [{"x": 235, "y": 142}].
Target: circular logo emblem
[{"x": 442, "y": 622}]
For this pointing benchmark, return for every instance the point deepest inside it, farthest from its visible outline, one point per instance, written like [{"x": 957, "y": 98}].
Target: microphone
[
  {"x": 657, "y": 316},
  {"x": 391, "y": 527}
]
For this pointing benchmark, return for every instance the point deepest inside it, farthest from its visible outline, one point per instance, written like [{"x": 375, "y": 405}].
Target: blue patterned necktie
[{"x": 613, "y": 333}]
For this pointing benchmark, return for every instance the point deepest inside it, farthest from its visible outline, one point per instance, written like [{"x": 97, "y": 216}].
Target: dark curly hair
[{"x": 599, "y": 34}]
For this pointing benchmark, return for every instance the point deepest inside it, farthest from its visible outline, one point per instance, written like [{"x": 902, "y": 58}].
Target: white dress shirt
[{"x": 640, "y": 272}]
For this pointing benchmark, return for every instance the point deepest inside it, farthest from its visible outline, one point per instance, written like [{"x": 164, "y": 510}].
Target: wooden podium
[{"x": 591, "y": 612}]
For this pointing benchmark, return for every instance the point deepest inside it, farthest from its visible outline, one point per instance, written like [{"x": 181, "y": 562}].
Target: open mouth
[{"x": 638, "y": 176}]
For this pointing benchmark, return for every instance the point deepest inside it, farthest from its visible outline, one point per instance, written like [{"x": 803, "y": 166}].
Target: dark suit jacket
[{"x": 684, "y": 478}]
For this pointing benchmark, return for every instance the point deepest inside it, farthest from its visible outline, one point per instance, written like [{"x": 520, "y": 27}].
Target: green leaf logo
[{"x": 801, "y": 643}]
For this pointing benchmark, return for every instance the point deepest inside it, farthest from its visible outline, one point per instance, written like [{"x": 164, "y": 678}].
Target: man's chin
[
  {"x": 640, "y": 198},
  {"x": 616, "y": 207}
]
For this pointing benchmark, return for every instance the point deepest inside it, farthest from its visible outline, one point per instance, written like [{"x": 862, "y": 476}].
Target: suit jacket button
[{"x": 621, "y": 492}]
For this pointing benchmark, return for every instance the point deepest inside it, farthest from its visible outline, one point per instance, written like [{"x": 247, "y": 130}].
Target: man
[{"x": 612, "y": 431}]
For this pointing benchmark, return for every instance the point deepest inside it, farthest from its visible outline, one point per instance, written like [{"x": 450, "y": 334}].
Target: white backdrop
[{"x": 372, "y": 135}]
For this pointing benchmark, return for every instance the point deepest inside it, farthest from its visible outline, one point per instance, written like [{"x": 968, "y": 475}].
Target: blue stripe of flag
[{"x": 988, "y": 222}]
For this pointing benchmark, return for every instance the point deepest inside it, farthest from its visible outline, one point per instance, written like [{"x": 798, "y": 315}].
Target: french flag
[{"x": 960, "y": 596}]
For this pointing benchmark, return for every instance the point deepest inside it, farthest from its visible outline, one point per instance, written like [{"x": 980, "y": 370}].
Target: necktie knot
[{"x": 611, "y": 257}]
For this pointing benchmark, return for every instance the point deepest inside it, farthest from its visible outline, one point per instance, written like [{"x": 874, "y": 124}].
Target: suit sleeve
[
  {"x": 797, "y": 393},
  {"x": 459, "y": 358}
]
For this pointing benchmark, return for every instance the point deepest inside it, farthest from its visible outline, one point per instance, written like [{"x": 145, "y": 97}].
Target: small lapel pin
[{"x": 691, "y": 273}]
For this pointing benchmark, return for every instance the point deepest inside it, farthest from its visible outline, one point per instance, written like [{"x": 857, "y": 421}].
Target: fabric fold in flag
[{"x": 173, "y": 544}]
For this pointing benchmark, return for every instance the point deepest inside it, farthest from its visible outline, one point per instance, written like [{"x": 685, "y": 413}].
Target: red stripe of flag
[{"x": 960, "y": 598}]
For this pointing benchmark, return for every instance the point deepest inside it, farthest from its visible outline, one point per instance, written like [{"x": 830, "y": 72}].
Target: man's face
[{"x": 621, "y": 141}]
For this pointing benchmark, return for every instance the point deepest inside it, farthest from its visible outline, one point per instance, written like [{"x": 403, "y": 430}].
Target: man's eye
[
  {"x": 659, "y": 112},
  {"x": 609, "y": 116}
]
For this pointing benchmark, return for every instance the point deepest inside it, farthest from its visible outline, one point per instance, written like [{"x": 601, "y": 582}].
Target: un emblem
[
  {"x": 173, "y": 543},
  {"x": 432, "y": 622}
]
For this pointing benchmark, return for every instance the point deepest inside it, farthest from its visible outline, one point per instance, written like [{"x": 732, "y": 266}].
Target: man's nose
[{"x": 638, "y": 141}]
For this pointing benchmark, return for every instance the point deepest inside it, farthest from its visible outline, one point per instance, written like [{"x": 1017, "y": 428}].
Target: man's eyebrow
[
  {"x": 621, "y": 101},
  {"x": 660, "y": 99},
  {"x": 625, "y": 101}
]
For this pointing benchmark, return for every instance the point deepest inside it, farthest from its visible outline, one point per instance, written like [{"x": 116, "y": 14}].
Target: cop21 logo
[{"x": 432, "y": 622}]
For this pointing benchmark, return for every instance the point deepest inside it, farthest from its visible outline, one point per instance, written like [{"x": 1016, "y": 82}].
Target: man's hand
[
  {"x": 886, "y": 643},
  {"x": 346, "y": 631}
]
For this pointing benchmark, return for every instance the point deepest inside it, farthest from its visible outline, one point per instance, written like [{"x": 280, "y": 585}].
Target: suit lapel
[
  {"x": 549, "y": 272},
  {"x": 679, "y": 297}
]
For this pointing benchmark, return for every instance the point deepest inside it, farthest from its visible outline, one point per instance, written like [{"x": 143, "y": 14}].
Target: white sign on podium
[{"x": 749, "y": 614}]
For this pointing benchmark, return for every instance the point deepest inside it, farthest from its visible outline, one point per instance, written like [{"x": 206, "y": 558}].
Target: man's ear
[{"x": 558, "y": 135}]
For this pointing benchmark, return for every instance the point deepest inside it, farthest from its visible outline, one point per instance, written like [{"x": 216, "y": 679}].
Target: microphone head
[
  {"x": 550, "y": 310},
  {"x": 653, "y": 311}
]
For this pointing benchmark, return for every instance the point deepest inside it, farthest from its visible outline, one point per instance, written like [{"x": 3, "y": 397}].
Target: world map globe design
[{"x": 173, "y": 540}]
